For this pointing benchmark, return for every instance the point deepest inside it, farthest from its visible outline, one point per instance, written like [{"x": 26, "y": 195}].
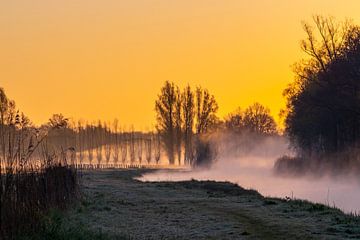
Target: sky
[{"x": 91, "y": 59}]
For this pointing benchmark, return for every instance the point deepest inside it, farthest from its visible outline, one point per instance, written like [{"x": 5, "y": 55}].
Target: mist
[{"x": 248, "y": 160}]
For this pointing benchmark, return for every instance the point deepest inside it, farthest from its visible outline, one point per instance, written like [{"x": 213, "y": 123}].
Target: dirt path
[{"x": 120, "y": 206}]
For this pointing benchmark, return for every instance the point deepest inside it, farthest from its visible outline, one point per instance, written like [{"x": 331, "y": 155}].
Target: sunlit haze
[{"x": 108, "y": 59}]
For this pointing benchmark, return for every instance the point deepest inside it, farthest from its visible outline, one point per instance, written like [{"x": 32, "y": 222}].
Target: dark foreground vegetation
[
  {"x": 29, "y": 196},
  {"x": 118, "y": 207},
  {"x": 30, "y": 187},
  {"x": 322, "y": 117}
]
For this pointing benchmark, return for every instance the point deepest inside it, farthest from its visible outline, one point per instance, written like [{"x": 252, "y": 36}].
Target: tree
[
  {"x": 257, "y": 119},
  {"x": 124, "y": 147},
  {"x": 139, "y": 146},
  {"x": 80, "y": 139},
  {"x": 132, "y": 145},
  {"x": 178, "y": 123},
  {"x": 165, "y": 107},
  {"x": 148, "y": 148},
  {"x": 206, "y": 120},
  {"x": 58, "y": 121},
  {"x": 176, "y": 112},
  {"x": 323, "y": 109},
  {"x": 188, "y": 109},
  {"x": 4, "y": 106},
  {"x": 116, "y": 141},
  {"x": 206, "y": 108},
  {"x": 234, "y": 121},
  {"x": 99, "y": 142},
  {"x": 107, "y": 134}
]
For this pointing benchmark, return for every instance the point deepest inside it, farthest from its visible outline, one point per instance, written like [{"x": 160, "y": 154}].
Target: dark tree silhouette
[
  {"x": 157, "y": 147},
  {"x": 206, "y": 108},
  {"x": 99, "y": 140},
  {"x": 124, "y": 148},
  {"x": 176, "y": 114},
  {"x": 165, "y": 107},
  {"x": 132, "y": 145},
  {"x": 188, "y": 122},
  {"x": 116, "y": 141},
  {"x": 107, "y": 141},
  {"x": 4, "y": 106},
  {"x": 323, "y": 104},
  {"x": 257, "y": 119},
  {"x": 206, "y": 120},
  {"x": 58, "y": 121},
  {"x": 234, "y": 121},
  {"x": 178, "y": 123},
  {"x": 148, "y": 148}
]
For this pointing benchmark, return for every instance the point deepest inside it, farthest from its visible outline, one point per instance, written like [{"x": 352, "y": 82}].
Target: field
[{"x": 115, "y": 206}]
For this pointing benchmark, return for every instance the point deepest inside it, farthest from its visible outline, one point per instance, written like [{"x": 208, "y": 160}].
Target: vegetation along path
[{"x": 123, "y": 208}]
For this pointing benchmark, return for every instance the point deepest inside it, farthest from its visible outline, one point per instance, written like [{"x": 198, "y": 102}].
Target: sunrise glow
[{"x": 108, "y": 59}]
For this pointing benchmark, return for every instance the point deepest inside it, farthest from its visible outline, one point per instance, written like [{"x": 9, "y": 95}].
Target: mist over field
[{"x": 252, "y": 167}]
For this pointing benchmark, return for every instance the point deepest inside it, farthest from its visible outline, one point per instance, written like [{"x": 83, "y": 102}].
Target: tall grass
[{"x": 34, "y": 176}]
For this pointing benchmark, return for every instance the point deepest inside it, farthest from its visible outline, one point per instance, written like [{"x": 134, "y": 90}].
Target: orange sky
[{"x": 103, "y": 59}]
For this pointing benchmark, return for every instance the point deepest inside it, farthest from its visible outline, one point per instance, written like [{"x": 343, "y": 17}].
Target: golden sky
[{"x": 105, "y": 59}]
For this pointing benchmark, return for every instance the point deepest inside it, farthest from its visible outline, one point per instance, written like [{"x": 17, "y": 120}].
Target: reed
[{"x": 35, "y": 176}]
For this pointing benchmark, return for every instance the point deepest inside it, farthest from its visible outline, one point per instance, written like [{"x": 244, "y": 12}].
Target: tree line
[
  {"x": 187, "y": 117},
  {"x": 80, "y": 143},
  {"x": 105, "y": 144}
]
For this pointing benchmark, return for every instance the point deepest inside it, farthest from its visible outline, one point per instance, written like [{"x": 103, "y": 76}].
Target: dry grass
[{"x": 33, "y": 179}]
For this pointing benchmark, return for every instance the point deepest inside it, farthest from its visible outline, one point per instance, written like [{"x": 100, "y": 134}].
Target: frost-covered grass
[
  {"x": 117, "y": 206},
  {"x": 55, "y": 227}
]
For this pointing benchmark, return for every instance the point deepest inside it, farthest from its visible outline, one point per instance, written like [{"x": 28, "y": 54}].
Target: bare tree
[
  {"x": 257, "y": 119},
  {"x": 157, "y": 147},
  {"x": 4, "y": 105},
  {"x": 206, "y": 108},
  {"x": 116, "y": 141},
  {"x": 58, "y": 121},
  {"x": 330, "y": 43},
  {"x": 148, "y": 148},
  {"x": 99, "y": 147},
  {"x": 165, "y": 107},
  {"x": 206, "y": 120},
  {"x": 90, "y": 135},
  {"x": 132, "y": 145},
  {"x": 124, "y": 147},
  {"x": 178, "y": 124},
  {"x": 107, "y": 142},
  {"x": 234, "y": 121},
  {"x": 80, "y": 141},
  {"x": 188, "y": 109},
  {"x": 140, "y": 149}
]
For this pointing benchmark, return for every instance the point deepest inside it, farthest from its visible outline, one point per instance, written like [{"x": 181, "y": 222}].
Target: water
[{"x": 256, "y": 173}]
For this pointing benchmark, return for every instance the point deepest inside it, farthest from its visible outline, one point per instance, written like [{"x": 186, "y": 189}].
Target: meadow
[{"x": 114, "y": 205}]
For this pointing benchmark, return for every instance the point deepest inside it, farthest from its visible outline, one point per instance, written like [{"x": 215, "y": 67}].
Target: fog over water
[{"x": 255, "y": 170}]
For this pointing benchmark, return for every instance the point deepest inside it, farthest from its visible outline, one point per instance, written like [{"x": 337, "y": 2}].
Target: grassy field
[{"x": 115, "y": 206}]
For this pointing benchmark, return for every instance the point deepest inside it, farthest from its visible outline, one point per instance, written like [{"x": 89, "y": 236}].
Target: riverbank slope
[{"x": 121, "y": 207}]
